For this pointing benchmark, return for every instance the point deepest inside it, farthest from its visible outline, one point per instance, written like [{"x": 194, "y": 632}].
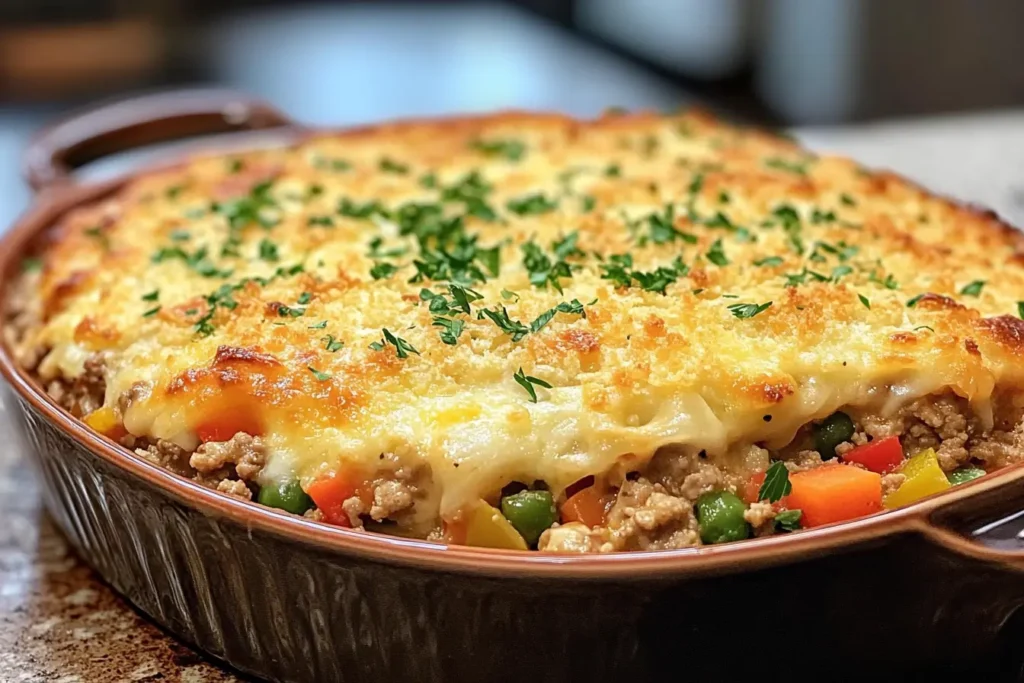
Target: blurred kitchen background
[{"x": 930, "y": 88}]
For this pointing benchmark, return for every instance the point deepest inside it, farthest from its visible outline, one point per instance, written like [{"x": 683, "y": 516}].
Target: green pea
[
  {"x": 830, "y": 432},
  {"x": 287, "y": 496},
  {"x": 720, "y": 514},
  {"x": 530, "y": 512},
  {"x": 964, "y": 475}
]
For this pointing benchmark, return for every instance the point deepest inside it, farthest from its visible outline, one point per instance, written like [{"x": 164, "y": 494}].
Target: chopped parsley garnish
[
  {"x": 323, "y": 221},
  {"x": 847, "y": 200},
  {"x": 383, "y": 270},
  {"x": 531, "y": 205},
  {"x": 528, "y": 382},
  {"x": 377, "y": 252},
  {"x": 31, "y": 264},
  {"x": 268, "y": 250},
  {"x": 776, "y": 484},
  {"x": 818, "y": 216},
  {"x": 332, "y": 344},
  {"x": 180, "y": 235},
  {"x": 305, "y": 298},
  {"x": 889, "y": 282},
  {"x": 573, "y": 307},
  {"x": 973, "y": 289},
  {"x": 451, "y": 329},
  {"x": 723, "y": 197},
  {"x": 505, "y": 323},
  {"x": 913, "y": 301},
  {"x": 99, "y": 235},
  {"x": 471, "y": 190},
  {"x": 769, "y": 261},
  {"x": 542, "y": 269},
  {"x": 619, "y": 269},
  {"x": 743, "y": 311},
  {"x": 663, "y": 230},
  {"x": 794, "y": 279},
  {"x": 513, "y": 150},
  {"x": 389, "y": 165},
  {"x": 322, "y": 376},
  {"x": 1020, "y": 310},
  {"x": 790, "y": 220},
  {"x": 319, "y": 326},
  {"x": 587, "y": 203},
  {"x": 402, "y": 347},
  {"x": 326, "y": 164},
  {"x": 788, "y": 520},
  {"x": 428, "y": 181},
  {"x": 840, "y": 271},
  {"x": 249, "y": 209},
  {"x": 509, "y": 296},
  {"x": 351, "y": 209},
  {"x": 151, "y": 312},
  {"x": 198, "y": 261},
  {"x": 864, "y": 300},
  {"x": 613, "y": 171},
  {"x": 152, "y": 296},
  {"x": 924, "y": 327},
  {"x": 716, "y": 254},
  {"x": 235, "y": 165},
  {"x": 788, "y": 166},
  {"x": 290, "y": 311}
]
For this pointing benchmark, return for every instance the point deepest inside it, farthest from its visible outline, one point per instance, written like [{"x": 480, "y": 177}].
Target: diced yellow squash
[
  {"x": 924, "y": 477},
  {"x": 103, "y": 420},
  {"x": 486, "y": 527}
]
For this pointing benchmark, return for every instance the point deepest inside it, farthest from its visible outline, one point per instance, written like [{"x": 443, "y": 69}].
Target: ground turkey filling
[{"x": 651, "y": 510}]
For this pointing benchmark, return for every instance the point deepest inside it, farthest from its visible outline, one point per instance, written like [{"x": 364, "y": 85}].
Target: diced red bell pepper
[
  {"x": 223, "y": 426},
  {"x": 881, "y": 456},
  {"x": 330, "y": 492}
]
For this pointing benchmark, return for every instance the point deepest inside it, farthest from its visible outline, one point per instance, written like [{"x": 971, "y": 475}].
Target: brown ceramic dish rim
[{"x": 57, "y": 193}]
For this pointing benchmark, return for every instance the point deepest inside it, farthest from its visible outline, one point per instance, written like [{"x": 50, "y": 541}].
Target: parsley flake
[
  {"x": 389, "y": 165},
  {"x": 531, "y": 205},
  {"x": 973, "y": 288},
  {"x": 864, "y": 300},
  {"x": 402, "y": 347},
  {"x": 776, "y": 484},
  {"x": 451, "y": 329},
  {"x": 319, "y": 326},
  {"x": 504, "y": 322},
  {"x": 1020, "y": 310},
  {"x": 788, "y": 520},
  {"x": 151, "y": 312},
  {"x": 716, "y": 254},
  {"x": 268, "y": 250},
  {"x": 743, "y": 311},
  {"x": 513, "y": 150},
  {"x": 331, "y": 344},
  {"x": 527, "y": 382},
  {"x": 383, "y": 270},
  {"x": 573, "y": 307},
  {"x": 789, "y": 166},
  {"x": 151, "y": 296},
  {"x": 769, "y": 261},
  {"x": 322, "y": 376},
  {"x": 913, "y": 301}
]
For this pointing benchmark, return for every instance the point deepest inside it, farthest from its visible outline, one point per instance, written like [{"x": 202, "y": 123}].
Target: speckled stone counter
[{"x": 60, "y": 624}]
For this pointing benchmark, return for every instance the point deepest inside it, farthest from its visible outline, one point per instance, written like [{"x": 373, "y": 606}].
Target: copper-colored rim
[{"x": 726, "y": 558}]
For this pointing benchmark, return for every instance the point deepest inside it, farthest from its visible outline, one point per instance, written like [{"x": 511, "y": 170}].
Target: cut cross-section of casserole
[{"x": 520, "y": 330}]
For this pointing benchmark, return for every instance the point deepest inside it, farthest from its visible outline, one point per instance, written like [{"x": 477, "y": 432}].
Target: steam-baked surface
[{"x": 709, "y": 288}]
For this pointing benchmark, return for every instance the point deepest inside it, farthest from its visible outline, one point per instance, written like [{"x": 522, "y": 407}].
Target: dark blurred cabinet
[{"x": 60, "y": 48}]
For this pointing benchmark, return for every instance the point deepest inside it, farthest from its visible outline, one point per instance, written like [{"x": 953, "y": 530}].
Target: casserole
[{"x": 155, "y": 537}]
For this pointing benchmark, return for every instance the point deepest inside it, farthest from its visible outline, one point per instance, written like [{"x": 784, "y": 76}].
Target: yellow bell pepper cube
[
  {"x": 104, "y": 421},
  {"x": 486, "y": 527},
  {"x": 924, "y": 477}
]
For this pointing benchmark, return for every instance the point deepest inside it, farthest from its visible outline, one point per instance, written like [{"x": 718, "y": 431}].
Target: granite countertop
[{"x": 60, "y": 623}]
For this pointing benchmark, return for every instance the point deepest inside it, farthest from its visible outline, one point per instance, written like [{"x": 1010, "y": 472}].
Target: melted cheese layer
[{"x": 792, "y": 285}]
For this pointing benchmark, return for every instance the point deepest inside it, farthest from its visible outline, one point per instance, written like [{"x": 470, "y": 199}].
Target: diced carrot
[
  {"x": 882, "y": 456},
  {"x": 331, "y": 491},
  {"x": 835, "y": 493},
  {"x": 588, "y": 506},
  {"x": 223, "y": 426}
]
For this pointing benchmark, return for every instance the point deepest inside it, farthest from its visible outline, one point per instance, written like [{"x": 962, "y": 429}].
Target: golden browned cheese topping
[{"x": 523, "y": 297}]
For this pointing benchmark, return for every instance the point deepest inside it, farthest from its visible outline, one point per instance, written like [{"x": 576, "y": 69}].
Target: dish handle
[
  {"x": 984, "y": 520},
  {"x": 54, "y": 152}
]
